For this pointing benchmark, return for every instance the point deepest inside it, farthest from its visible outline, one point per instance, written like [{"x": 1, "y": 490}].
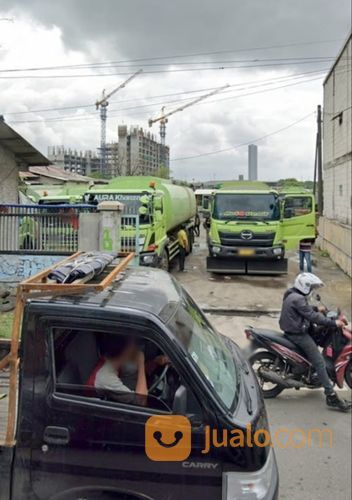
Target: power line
[
  {"x": 187, "y": 70},
  {"x": 253, "y": 82},
  {"x": 112, "y": 64},
  {"x": 93, "y": 116},
  {"x": 192, "y": 54},
  {"x": 209, "y": 153}
]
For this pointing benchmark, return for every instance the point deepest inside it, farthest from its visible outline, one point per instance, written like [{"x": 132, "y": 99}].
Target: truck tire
[
  {"x": 7, "y": 303},
  {"x": 164, "y": 261}
]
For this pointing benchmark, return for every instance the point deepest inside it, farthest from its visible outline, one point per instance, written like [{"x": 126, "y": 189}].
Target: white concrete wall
[
  {"x": 337, "y": 139},
  {"x": 8, "y": 177},
  {"x": 335, "y": 226}
]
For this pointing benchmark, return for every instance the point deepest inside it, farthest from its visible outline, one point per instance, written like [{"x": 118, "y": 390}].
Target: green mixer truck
[
  {"x": 250, "y": 230},
  {"x": 162, "y": 208}
]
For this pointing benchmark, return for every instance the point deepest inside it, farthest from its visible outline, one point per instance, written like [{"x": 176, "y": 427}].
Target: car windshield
[
  {"x": 234, "y": 206},
  {"x": 207, "y": 349}
]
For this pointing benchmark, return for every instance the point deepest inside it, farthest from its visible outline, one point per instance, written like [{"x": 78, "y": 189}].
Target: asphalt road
[{"x": 311, "y": 472}]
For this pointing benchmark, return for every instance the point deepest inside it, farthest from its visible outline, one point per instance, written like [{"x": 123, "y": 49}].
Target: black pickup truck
[{"x": 74, "y": 441}]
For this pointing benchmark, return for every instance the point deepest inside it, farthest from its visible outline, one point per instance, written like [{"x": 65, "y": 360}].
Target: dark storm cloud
[{"x": 137, "y": 28}]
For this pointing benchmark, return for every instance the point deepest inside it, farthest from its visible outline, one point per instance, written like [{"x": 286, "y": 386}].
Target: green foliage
[
  {"x": 6, "y": 325},
  {"x": 163, "y": 173}
]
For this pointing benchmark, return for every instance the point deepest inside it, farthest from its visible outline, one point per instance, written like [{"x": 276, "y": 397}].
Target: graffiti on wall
[{"x": 15, "y": 268}]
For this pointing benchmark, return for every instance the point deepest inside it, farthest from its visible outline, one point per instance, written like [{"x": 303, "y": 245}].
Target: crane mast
[{"x": 102, "y": 104}]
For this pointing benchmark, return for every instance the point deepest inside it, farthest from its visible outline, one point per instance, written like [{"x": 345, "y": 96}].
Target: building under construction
[{"x": 139, "y": 153}]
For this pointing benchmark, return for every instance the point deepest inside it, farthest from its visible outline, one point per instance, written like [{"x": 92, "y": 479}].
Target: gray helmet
[{"x": 306, "y": 282}]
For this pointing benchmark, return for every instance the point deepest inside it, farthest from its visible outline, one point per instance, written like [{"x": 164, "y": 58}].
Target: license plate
[{"x": 246, "y": 252}]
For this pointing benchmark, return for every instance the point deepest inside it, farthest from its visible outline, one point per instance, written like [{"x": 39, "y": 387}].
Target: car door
[
  {"x": 298, "y": 219},
  {"x": 87, "y": 447}
]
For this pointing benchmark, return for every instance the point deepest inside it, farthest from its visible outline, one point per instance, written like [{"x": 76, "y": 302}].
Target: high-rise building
[
  {"x": 252, "y": 162},
  {"x": 139, "y": 153}
]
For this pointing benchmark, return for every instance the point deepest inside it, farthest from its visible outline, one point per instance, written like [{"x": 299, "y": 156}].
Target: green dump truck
[
  {"x": 250, "y": 230},
  {"x": 163, "y": 209}
]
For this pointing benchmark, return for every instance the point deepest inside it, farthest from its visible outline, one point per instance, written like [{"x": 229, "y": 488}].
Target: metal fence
[
  {"x": 131, "y": 241},
  {"x": 40, "y": 228},
  {"x": 53, "y": 229}
]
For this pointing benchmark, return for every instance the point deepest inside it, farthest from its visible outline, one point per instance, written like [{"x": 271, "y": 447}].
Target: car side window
[
  {"x": 296, "y": 206},
  {"x": 99, "y": 367}
]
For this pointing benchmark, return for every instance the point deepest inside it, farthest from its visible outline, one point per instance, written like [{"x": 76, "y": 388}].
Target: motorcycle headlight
[{"x": 258, "y": 485}]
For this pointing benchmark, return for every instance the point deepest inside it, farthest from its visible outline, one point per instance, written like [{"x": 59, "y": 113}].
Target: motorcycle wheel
[
  {"x": 267, "y": 359},
  {"x": 348, "y": 374}
]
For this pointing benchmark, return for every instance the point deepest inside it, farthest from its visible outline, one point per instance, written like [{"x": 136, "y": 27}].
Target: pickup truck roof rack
[{"x": 39, "y": 285}]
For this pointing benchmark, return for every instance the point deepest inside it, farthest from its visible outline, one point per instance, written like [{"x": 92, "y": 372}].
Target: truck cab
[
  {"x": 74, "y": 441},
  {"x": 154, "y": 211},
  {"x": 250, "y": 230}
]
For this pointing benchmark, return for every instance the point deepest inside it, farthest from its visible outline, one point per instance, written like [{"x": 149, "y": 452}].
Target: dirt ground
[{"x": 258, "y": 293}]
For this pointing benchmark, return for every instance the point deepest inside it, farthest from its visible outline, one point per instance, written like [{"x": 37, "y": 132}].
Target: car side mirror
[{"x": 179, "y": 406}]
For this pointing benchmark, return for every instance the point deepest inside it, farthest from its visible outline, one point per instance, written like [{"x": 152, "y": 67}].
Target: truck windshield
[
  {"x": 131, "y": 202},
  {"x": 207, "y": 349},
  {"x": 235, "y": 206}
]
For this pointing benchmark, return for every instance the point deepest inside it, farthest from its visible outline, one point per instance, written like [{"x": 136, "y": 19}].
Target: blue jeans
[{"x": 305, "y": 256}]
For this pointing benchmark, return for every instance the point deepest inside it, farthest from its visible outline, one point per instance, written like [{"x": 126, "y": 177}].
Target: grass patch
[{"x": 6, "y": 325}]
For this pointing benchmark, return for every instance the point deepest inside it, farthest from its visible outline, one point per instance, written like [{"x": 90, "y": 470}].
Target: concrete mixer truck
[{"x": 162, "y": 208}]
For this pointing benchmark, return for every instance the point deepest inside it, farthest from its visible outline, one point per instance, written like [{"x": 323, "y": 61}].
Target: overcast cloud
[{"x": 82, "y": 31}]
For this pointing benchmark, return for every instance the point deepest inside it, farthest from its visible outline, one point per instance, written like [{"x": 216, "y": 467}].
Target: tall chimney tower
[{"x": 252, "y": 162}]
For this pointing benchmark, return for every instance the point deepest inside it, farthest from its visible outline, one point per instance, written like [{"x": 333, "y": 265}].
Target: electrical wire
[
  {"x": 225, "y": 150},
  {"x": 180, "y": 56},
  {"x": 91, "y": 116},
  {"x": 253, "y": 82},
  {"x": 162, "y": 71}
]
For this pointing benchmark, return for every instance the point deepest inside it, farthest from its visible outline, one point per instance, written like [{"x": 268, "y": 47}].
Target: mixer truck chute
[{"x": 163, "y": 208}]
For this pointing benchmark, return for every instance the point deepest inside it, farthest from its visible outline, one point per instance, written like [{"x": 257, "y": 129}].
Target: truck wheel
[
  {"x": 164, "y": 260},
  {"x": 7, "y": 304}
]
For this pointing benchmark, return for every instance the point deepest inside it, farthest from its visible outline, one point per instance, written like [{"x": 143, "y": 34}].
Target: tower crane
[
  {"x": 163, "y": 118},
  {"x": 102, "y": 104}
]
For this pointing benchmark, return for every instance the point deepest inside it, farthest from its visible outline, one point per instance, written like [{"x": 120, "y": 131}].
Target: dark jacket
[{"x": 297, "y": 314}]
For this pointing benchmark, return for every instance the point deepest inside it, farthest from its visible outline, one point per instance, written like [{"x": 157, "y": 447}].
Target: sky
[{"x": 273, "y": 54}]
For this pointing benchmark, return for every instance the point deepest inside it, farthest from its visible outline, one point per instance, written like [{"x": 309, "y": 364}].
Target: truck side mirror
[
  {"x": 143, "y": 210},
  {"x": 144, "y": 199},
  {"x": 179, "y": 406},
  {"x": 158, "y": 203}
]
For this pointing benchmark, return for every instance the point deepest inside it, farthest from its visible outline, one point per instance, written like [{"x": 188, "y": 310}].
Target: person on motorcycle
[{"x": 296, "y": 316}]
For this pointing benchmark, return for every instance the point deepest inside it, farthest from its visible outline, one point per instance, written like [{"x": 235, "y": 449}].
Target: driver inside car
[{"x": 122, "y": 366}]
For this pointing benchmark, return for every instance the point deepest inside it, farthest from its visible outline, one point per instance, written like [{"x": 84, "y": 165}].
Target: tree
[{"x": 163, "y": 172}]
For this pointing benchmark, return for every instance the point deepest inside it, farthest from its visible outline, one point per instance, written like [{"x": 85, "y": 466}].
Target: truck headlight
[
  {"x": 277, "y": 251},
  {"x": 215, "y": 250},
  {"x": 258, "y": 485}
]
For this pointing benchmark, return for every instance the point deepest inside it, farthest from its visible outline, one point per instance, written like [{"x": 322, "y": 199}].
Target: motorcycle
[{"x": 279, "y": 364}]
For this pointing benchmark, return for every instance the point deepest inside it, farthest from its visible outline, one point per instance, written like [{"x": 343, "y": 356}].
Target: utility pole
[{"x": 319, "y": 162}]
